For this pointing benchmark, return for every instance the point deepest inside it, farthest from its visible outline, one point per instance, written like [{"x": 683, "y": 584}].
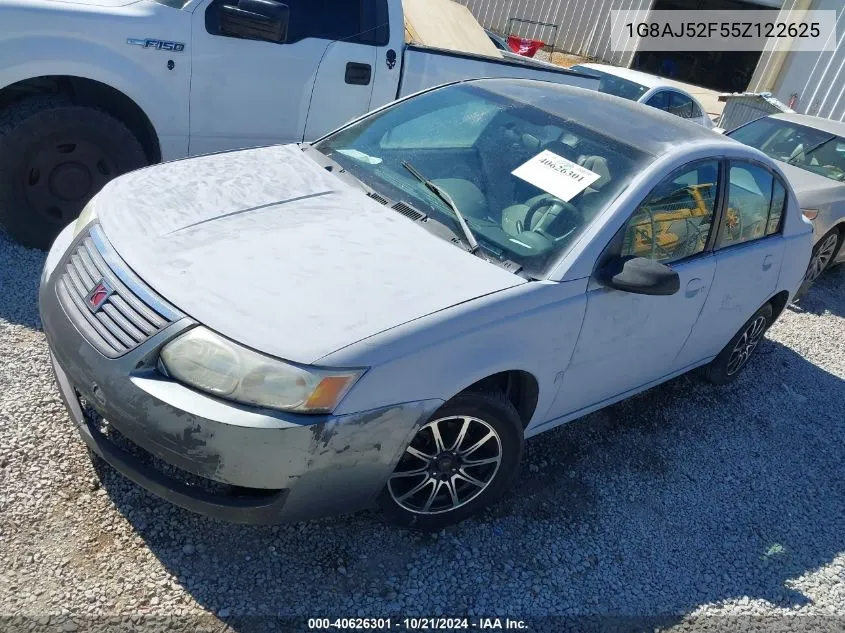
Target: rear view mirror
[
  {"x": 255, "y": 20},
  {"x": 640, "y": 275}
]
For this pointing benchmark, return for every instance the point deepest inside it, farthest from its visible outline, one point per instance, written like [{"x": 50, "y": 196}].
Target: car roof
[
  {"x": 650, "y": 81},
  {"x": 825, "y": 125},
  {"x": 645, "y": 128}
]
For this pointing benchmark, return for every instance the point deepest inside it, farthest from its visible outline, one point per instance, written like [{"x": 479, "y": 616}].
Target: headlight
[
  {"x": 810, "y": 214},
  {"x": 207, "y": 361},
  {"x": 85, "y": 218}
]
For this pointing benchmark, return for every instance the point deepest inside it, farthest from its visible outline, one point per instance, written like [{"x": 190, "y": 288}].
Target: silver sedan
[
  {"x": 811, "y": 152},
  {"x": 387, "y": 314}
]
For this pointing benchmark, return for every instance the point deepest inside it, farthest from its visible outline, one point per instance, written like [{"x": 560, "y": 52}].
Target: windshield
[
  {"x": 528, "y": 182},
  {"x": 804, "y": 147},
  {"x": 614, "y": 85}
]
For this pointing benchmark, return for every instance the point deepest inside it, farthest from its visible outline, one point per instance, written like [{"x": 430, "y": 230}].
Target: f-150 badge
[{"x": 160, "y": 45}]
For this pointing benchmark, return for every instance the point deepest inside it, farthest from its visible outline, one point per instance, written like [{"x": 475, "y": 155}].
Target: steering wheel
[{"x": 553, "y": 208}]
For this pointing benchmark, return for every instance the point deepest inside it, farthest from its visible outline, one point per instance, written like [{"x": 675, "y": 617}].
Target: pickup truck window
[
  {"x": 361, "y": 21},
  {"x": 469, "y": 140}
]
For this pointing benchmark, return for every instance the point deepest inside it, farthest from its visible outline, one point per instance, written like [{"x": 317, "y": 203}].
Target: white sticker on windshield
[
  {"x": 556, "y": 175},
  {"x": 360, "y": 156}
]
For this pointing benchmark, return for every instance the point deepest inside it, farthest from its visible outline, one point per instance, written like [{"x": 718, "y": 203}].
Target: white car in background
[{"x": 654, "y": 91}]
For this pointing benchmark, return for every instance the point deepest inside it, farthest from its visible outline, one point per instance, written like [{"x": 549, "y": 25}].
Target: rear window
[
  {"x": 613, "y": 85},
  {"x": 810, "y": 149}
]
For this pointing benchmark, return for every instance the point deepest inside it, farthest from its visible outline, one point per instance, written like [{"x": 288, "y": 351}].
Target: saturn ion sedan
[{"x": 385, "y": 315}]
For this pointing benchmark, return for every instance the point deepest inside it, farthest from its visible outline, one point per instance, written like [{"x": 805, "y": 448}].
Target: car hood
[
  {"x": 268, "y": 248},
  {"x": 812, "y": 189}
]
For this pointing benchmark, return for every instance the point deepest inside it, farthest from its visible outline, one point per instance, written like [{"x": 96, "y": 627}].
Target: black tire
[
  {"x": 722, "y": 369},
  {"x": 491, "y": 409},
  {"x": 824, "y": 252},
  {"x": 54, "y": 156}
]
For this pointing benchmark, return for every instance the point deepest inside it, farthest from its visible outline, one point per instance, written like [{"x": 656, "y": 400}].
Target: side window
[
  {"x": 778, "y": 204},
  {"x": 659, "y": 100},
  {"x": 324, "y": 19},
  {"x": 751, "y": 202},
  {"x": 681, "y": 106},
  {"x": 361, "y": 21},
  {"x": 696, "y": 111},
  {"x": 675, "y": 220}
]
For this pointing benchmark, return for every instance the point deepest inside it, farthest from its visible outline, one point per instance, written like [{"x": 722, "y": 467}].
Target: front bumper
[{"x": 263, "y": 466}]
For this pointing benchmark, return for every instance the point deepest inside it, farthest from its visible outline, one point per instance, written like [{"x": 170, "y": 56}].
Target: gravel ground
[{"x": 688, "y": 502}]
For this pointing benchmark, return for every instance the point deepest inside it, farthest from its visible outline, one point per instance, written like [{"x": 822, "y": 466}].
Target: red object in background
[{"x": 524, "y": 46}]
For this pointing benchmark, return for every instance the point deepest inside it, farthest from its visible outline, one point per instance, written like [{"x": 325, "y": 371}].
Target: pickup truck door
[{"x": 311, "y": 58}]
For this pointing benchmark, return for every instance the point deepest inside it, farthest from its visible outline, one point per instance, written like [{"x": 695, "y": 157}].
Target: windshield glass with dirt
[
  {"x": 810, "y": 149},
  {"x": 528, "y": 181}
]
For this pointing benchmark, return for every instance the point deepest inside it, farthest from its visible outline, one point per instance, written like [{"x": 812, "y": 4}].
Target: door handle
[
  {"x": 358, "y": 74},
  {"x": 768, "y": 260},
  {"x": 694, "y": 286}
]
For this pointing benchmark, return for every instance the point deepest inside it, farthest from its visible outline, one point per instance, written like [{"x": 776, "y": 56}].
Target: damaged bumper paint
[{"x": 217, "y": 458}]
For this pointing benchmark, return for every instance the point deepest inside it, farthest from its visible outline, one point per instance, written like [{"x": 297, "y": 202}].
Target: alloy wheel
[
  {"x": 449, "y": 463},
  {"x": 822, "y": 257},
  {"x": 746, "y": 345}
]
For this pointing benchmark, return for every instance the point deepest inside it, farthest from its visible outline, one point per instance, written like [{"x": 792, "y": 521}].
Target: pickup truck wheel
[
  {"x": 54, "y": 156},
  {"x": 734, "y": 357},
  {"x": 460, "y": 461}
]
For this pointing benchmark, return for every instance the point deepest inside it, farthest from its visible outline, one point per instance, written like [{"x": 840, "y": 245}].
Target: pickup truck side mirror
[
  {"x": 255, "y": 20},
  {"x": 640, "y": 275}
]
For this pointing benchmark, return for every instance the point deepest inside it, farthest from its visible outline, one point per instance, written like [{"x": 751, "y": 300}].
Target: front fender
[{"x": 532, "y": 327}]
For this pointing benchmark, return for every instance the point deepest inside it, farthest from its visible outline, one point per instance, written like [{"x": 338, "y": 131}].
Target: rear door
[
  {"x": 249, "y": 89},
  {"x": 749, "y": 253}
]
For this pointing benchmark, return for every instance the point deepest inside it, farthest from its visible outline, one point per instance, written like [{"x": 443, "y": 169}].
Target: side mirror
[
  {"x": 640, "y": 275},
  {"x": 255, "y": 20}
]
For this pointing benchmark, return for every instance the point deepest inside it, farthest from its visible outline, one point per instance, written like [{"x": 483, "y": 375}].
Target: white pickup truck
[{"x": 90, "y": 89}]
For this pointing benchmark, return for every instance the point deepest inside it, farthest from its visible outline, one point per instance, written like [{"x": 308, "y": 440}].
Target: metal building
[{"x": 810, "y": 82}]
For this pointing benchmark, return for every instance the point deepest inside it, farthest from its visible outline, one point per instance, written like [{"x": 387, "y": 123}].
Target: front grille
[{"x": 128, "y": 317}]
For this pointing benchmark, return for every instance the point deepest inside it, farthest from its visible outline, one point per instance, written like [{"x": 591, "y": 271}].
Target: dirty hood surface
[{"x": 271, "y": 250}]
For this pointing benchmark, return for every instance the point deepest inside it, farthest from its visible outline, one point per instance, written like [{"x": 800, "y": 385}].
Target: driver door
[{"x": 631, "y": 340}]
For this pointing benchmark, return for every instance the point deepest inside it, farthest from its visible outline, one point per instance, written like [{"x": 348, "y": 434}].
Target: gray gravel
[{"x": 687, "y": 500}]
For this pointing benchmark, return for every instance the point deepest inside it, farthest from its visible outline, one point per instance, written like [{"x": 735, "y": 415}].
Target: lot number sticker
[{"x": 556, "y": 175}]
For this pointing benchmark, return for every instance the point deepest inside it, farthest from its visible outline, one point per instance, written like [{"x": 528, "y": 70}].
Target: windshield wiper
[
  {"x": 812, "y": 149},
  {"x": 447, "y": 199}
]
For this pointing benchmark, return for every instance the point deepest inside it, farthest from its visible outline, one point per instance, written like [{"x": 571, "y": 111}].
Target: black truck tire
[{"x": 54, "y": 156}]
